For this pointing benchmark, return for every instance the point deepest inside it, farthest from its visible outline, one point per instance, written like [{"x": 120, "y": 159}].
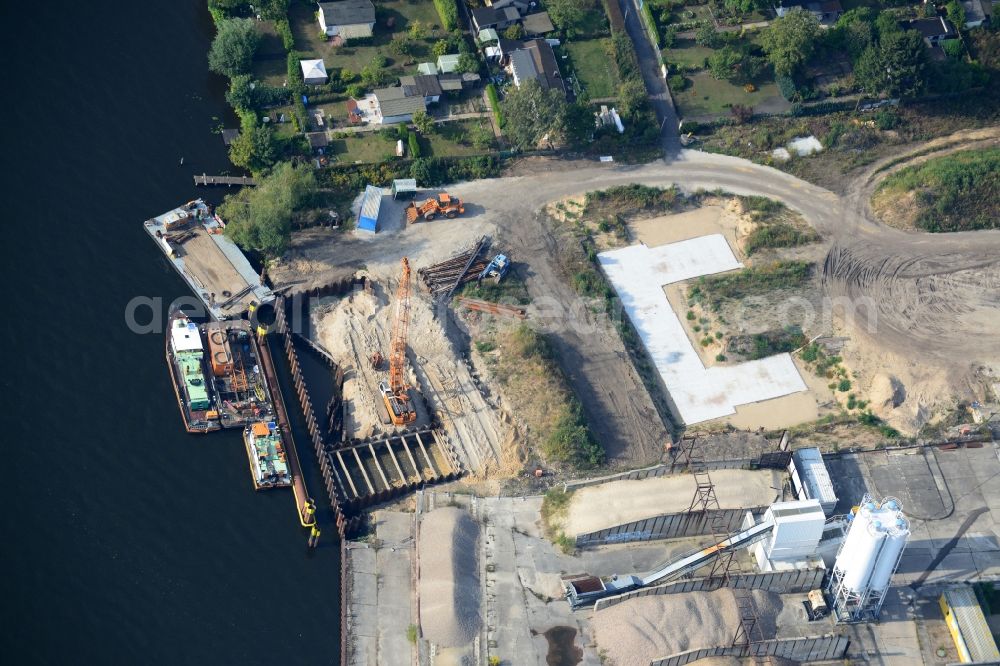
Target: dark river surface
[{"x": 125, "y": 540}]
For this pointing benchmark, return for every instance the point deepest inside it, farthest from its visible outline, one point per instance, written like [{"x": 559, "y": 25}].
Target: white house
[
  {"x": 313, "y": 72},
  {"x": 349, "y": 19}
]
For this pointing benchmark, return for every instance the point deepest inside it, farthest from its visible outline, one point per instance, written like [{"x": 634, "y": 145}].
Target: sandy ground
[
  {"x": 353, "y": 327},
  {"x": 721, "y": 218},
  {"x": 618, "y": 502}
]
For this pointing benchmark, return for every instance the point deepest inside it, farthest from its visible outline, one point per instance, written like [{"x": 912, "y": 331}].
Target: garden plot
[{"x": 638, "y": 273}]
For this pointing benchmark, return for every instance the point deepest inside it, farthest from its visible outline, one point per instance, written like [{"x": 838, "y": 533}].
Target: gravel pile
[
  {"x": 449, "y": 577},
  {"x": 640, "y": 630}
]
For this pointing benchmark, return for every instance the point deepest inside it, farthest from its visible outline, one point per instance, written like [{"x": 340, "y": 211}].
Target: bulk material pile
[
  {"x": 638, "y": 631},
  {"x": 638, "y": 274},
  {"x": 449, "y": 577},
  {"x": 611, "y": 504}
]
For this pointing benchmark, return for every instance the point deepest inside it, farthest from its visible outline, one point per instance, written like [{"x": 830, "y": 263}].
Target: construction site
[{"x": 432, "y": 463}]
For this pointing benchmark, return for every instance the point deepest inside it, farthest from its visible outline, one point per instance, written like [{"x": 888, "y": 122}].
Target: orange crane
[{"x": 396, "y": 392}]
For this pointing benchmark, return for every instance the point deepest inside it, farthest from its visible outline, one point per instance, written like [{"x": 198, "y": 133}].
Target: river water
[{"x": 126, "y": 541}]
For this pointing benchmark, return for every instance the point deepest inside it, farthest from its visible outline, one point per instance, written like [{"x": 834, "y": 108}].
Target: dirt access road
[{"x": 618, "y": 406}]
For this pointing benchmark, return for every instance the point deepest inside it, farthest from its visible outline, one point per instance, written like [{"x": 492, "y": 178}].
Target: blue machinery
[{"x": 584, "y": 589}]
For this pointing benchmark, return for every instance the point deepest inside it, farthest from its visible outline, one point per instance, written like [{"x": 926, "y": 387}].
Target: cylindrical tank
[
  {"x": 860, "y": 551},
  {"x": 897, "y": 534}
]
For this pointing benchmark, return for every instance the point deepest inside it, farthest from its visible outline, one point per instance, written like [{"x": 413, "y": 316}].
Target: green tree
[
  {"x": 738, "y": 7},
  {"x": 233, "y": 47},
  {"x": 272, "y": 10},
  {"x": 401, "y": 45},
  {"x": 895, "y": 67},
  {"x": 531, "y": 113},
  {"x": 375, "y": 73},
  {"x": 515, "y": 31},
  {"x": 440, "y": 48},
  {"x": 423, "y": 122},
  {"x": 468, "y": 63},
  {"x": 261, "y": 218},
  {"x": 418, "y": 30},
  {"x": 706, "y": 35},
  {"x": 955, "y": 14},
  {"x": 790, "y": 40},
  {"x": 632, "y": 98},
  {"x": 886, "y": 24},
  {"x": 570, "y": 15},
  {"x": 255, "y": 148},
  {"x": 241, "y": 92}
]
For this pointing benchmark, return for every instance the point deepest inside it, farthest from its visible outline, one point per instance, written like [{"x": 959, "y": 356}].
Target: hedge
[
  {"x": 285, "y": 32},
  {"x": 491, "y": 93},
  {"x": 448, "y": 11},
  {"x": 647, "y": 15},
  {"x": 413, "y": 144}
]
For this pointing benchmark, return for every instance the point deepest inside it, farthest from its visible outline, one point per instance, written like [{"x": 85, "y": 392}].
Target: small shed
[
  {"x": 448, "y": 63},
  {"x": 488, "y": 35},
  {"x": 317, "y": 140},
  {"x": 229, "y": 135},
  {"x": 428, "y": 68},
  {"x": 370, "y": 206},
  {"x": 313, "y": 72},
  {"x": 404, "y": 188},
  {"x": 538, "y": 23}
]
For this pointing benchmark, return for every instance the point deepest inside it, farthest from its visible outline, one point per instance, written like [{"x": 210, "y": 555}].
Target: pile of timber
[
  {"x": 494, "y": 308},
  {"x": 443, "y": 278}
]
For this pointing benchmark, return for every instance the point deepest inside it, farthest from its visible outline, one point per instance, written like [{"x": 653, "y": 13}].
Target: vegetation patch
[
  {"x": 631, "y": 199},
  {"x": 768, "y": 343},
  {"x": 537, "y": 390},
  {"x": 777, "y": 226},
  {"x": 956, "y": 192},
  {"x": 752, "y": 281}
]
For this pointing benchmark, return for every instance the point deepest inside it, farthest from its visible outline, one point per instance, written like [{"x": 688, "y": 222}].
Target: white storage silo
[
  {"x": 867, "y": 559},
  {"x": 860, "y": 551},
  {"x": 897, "y": 533}
]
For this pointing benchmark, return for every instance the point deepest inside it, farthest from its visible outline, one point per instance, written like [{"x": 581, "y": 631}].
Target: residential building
[
  {"x": 536, "y": 60},
  {"x": 423, "y": 85},
  {"x": 313, "y": 72},
  {"x": 934, "y": 30},
  {"x": 393, "y": 105},
  {"x": 976, "y": 12},
  {"x": 349, "y": 19},
  {"x": 826, "y": 11},
  {"x": 498, "y": 19},
  {"x": 520, "y": 5}
]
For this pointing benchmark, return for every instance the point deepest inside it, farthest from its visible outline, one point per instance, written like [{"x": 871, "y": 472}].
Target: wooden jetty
[{"x": 228, "y": 181}]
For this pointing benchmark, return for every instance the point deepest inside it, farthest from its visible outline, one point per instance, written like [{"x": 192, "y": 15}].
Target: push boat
[
  {"x": 185, "y": 351},
  {"x": 266, "y": 453}
]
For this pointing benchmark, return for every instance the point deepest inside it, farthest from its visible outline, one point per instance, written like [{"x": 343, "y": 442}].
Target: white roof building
[{"x": 313, "y": 71}]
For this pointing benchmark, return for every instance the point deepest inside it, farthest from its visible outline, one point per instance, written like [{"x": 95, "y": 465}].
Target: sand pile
[
  {"x": 449, "y": 577},
  {"x": 638, "y": 631},
  {"x": 618, "y": 502}
]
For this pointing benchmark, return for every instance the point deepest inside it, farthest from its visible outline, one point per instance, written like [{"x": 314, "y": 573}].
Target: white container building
[{"x": 811, "y": 479}]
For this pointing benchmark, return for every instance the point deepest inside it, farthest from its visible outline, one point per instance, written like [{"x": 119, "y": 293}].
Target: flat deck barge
[{"x": 191, "y": 237}]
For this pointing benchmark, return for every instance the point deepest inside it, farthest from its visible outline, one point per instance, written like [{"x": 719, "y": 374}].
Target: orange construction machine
[
  {"x": 396, "y": 393},
  {"x": 445, "y": 205}
]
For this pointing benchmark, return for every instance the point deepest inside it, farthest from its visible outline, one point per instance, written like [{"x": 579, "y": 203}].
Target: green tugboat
[{"x": 186, "y": 360}]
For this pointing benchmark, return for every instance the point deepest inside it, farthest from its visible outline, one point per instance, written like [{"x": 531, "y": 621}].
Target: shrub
[
  {"x": 677, "y": 83},
  {"x": 233, "y": 48},
  {"x": 786, "y": 86},
  {"x": 491, "y": 93},
  {"x": 413, "y": 144},
  {"x": 844, "y": 385},
  {"x": 780, "y": 234}
]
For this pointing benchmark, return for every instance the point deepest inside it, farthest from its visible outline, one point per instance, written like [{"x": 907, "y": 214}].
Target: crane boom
[{"x": 400, "y": 330}]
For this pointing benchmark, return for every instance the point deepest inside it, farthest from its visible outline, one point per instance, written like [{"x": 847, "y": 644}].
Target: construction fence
[
  {"x": 669, "y": 526},
  {"x": 812, "y": 648},
  {"x": 780, "y": 582}
]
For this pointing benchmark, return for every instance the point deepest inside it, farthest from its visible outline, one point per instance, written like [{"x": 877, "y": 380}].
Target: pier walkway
[{"x": 229, "y": 181}]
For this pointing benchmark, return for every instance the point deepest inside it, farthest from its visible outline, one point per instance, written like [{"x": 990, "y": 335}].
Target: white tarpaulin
[{"x": 638, "y": 274}]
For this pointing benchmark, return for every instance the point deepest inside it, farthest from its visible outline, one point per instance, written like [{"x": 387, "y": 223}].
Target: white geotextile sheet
[{"x": 638, "y": 274}]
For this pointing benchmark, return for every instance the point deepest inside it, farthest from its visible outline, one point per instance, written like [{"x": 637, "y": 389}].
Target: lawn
[
  {"x": 687, "y": 53},
  {"x": 368, "y": 147},
  {"x": 452, "y": 139},
  {"x": 593, "y": 66},
  {"x": 270, "y": 63},
  {"x": 310, "y": 40},
  {"x": 709, "y": 97}
]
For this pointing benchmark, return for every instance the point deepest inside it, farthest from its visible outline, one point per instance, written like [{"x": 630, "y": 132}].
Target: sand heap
[
  {"x": 637, "y": 631},
  {"x": 618, "y": 502},
  {"x": 449, "y": 577}
]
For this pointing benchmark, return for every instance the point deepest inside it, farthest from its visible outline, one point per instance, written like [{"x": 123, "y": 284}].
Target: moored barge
[
  {"x": 185, "y": 351},
  {"x": 267, "y": 456}
]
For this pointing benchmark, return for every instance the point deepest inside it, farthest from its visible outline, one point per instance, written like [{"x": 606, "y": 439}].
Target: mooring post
[{"x": 313, "y": 536}]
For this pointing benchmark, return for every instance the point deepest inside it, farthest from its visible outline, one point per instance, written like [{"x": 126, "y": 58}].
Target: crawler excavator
[{"x": 396, "y": 393}]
